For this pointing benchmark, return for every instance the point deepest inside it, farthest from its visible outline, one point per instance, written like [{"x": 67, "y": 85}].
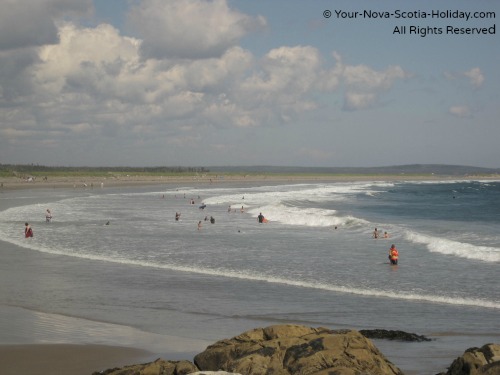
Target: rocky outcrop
[
  {"x": 477, "y": 361},
  {"x": 300, "y": 350},
  {"x": 392, "y": 335},
  {"x": 294, "y": 349},
  {"x": 158, "y": 367}
]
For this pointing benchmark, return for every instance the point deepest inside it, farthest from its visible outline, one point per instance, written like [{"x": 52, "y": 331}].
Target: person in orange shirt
[{"x": 393, "y": 255}]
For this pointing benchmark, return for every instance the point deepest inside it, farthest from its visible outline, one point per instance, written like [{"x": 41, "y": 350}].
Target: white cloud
[
  {"x": 460, "y": 111},
  {"x": 189, "y": 28},
  {"x": 93, "y": 83},
  {"x": 476, "y": 77},
  {"x": 364, "y": 84}
]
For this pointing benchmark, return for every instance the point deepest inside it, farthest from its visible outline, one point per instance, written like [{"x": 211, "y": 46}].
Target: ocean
[{"x": 146, "y": 276}]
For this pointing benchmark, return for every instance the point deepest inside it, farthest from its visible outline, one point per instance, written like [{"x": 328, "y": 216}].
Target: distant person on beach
[
  {"x": 375, "y": 233},
  {"x": 28, "y": 232},
  {"x": 199, "y": 225},
  {"x": 212, "y": 220},
  {"x": 48, "y": 216},
  {"x": 177, "y": 216},
  {"x": 242, "y": 209},
  {"x": 393, "y": 254}
]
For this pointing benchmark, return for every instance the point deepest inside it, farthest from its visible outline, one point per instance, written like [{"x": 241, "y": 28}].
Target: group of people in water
[
  {"x": 376, "y": 234},
  {"x": 28, "y": 230},
  {"x": 393, "y": 251}
]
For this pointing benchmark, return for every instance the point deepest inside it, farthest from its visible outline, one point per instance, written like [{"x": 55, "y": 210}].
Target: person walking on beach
[
  {"x": 393, "y": 255},
  {"x": 28, "y": 232}
]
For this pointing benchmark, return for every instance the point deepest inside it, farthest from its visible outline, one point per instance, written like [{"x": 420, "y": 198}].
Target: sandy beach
[
  {"x": 64, "y": 359},
  {"x": 9, "y": 183}
]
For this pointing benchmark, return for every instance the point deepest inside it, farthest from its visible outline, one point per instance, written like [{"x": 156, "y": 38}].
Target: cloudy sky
[{"x": 239, "y": 82}]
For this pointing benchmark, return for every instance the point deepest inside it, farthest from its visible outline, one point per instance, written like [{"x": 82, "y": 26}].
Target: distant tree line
[{"x": 23, "y": 169}]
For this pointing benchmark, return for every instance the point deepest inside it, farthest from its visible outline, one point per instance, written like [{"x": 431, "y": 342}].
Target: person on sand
[
  {"x": 375, "y": 233},
  {"x": 48, "y": 216},
  {"x": 393, "y": 254},
  {"x": 28, "y": 232}
]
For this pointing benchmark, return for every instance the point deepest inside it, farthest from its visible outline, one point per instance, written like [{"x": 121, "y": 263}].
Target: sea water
[{"x": 315, "y": 261}]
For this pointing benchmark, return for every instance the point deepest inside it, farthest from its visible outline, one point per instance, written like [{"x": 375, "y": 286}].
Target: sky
[{"x": 323, "y": 83}]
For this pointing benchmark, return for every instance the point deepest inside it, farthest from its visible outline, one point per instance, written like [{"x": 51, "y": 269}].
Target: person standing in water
[
  {"x": 28, "y": 232},
  {"x": 393, "y": 255},
  {"x": 48, "y": 216}
]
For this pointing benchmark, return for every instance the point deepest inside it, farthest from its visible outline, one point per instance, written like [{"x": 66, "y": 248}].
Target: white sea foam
[
  {"x": 253, "y": 276},
  {"x": 312, "y": 217},
  {"x": 455, "y": 248}
]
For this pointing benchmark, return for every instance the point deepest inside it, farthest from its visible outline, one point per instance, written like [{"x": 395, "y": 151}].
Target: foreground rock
[
  {"x": 477, "y": 361},
  {"x": 293, "y": 349},
  {"x": 278, "y": 350},
  {"x": 158, "y": 367}
]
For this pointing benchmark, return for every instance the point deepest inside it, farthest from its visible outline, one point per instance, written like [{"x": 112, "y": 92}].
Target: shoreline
[{"x": 93, "y": 182}]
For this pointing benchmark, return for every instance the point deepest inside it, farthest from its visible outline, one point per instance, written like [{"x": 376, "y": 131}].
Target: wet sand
[{"x": 63, "y": 359}]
